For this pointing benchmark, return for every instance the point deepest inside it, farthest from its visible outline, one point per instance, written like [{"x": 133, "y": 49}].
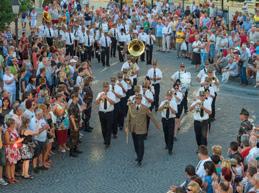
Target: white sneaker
[{"x": 3, "y": 182}]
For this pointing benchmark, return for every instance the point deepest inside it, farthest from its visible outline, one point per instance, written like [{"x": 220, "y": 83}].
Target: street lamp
[{"x": 16, "y": 10}]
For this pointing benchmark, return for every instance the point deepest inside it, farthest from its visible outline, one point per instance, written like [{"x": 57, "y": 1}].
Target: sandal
[
  {"x": 16, "y": 181},
  {"x": 10, "y": 181},
  {"x": 28, "y": 177}
]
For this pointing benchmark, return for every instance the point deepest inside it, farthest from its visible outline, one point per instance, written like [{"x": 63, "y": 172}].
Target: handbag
[{"x": 184, "y": 46}]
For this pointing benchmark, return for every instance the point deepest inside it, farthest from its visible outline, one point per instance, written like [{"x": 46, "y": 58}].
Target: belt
[{"x": 168, "y": 118}]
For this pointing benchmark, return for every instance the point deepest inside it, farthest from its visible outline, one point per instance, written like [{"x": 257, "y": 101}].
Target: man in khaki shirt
[{"x": 136, "y": 123}]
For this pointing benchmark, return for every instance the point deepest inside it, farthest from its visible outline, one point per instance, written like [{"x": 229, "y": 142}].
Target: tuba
[{"x": 136, "y": 47}]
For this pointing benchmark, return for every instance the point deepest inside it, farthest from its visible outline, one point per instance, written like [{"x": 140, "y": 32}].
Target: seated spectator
[{"x": 231, "y": 70}]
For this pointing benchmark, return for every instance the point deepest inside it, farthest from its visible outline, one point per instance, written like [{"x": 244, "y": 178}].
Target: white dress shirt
[
  {"x": 118, "y": 90},
  {"x": 150, "y": 96},
  {"x": 185, "y": 78},
  {"x": 68, "y": 40},
  {"x": 105, "y": 39},
  {"x": 196, "y": 113},
  {"x": 172, "y": 104},
  {"x": 125, "y": 87},
  {"x": 150, "y": 39},
  {"x": 155, "y": 72},
  {"x": 49, "y": 33},
  {"x": 121, "y": 37},
  {"x": 89, "y": 40},
  {"x": 110, "y": 107},
  {"x": 142, "y": 36},
  {"x": 211, "y": 89}
]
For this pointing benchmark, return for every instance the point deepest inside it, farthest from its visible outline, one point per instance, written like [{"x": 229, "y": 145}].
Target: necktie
[
  {"x": 154, "y": 76},
  {"x": 201, "y": 111},
  {"x": 114, "y": 33},
  {"x": 70, "y": 38},
  {"x": 89, "y": 41},
  {"x": 105, "y": 104},
  {"x": 49, "y": 33},
  {"x": 167, "y": 113},
  {"x": 137, "y": 107},
  {"x": 58, "y": 32},
  {"x": 106, "y": 43}
]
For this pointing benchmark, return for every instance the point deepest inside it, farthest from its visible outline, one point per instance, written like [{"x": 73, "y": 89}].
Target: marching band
[{"x": 125, "y": 102}]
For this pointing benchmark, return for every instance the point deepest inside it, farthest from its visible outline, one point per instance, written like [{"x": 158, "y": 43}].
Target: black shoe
[
  {"x": 166, "y": 147},
  {"x": 120, "y": 128},
  {"x": 136, "y": 159},
  {"x": 170, "y": 152},
  {"x": 139, "y": 163},
  {"x": 107, "y": 146},
  {"x": 88, "y": 130},
  {"x": 72, "y": 154},
  {"x": 186, "y": 111},
  {"x": 78, "y": 151},
  {"x": 115, "y": 136},
  {"x": 36, "y": 170},
  {"x": 43, "y": 168}
]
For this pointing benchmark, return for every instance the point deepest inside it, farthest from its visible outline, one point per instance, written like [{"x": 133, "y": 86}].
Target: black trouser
[
  {"x": 148, "y": 121},
  {"x": 115, "y": 118},
  {"x": 122, "y": 112},
  {"x": 69, "y": 50},
  {"x": 185, "y": 101},
  {"x": 201, "y": 130},
  {"x": 76, "y": 53},
  {"x": 49, "y": 41},
  {"x": 87, "y": 116},
  {"x": 88, "y": 53},
  {"x": 168, "y": 128},
  {"x": 97, "y": 52},
  {"x": 113, "y": 47},
  {"x": 120, "y": 51},
  {"x": 138, "y": 140},
  {"x": 142, "y": 57},
  {"x": 149, "y": 53},
  {"x": 105, "y": 56},
  {"x": 106, "y": 120},
  {"x": 156, "y": 95},
  {"x": 213, "y": 107}
]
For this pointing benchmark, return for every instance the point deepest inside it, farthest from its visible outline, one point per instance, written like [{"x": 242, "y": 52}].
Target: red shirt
[
  {"x": 192, "y": 36},
  {"x": 245, "y": 152},
  {"x": 243, "y": 38}
]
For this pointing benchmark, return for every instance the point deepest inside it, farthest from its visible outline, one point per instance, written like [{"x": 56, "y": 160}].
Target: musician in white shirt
[
  {"x": 155, "y": 75},
  {"x": 118, "y": 92},
  {"x": 142, "y": 37},
  {"x": 49, "y": 34},
  {"x": 168, "y": 109},
  {"x": 105, "y": 42},
  {"x": 178, "y": 96},
  {"x": 149, "y": 41},
  {"x": 202, "y": 110},
  {"x": 123, "y": 101},
  {"x": 69, "y": 42},
  {"x": 166, "y": 40},
  {"x": 134, "y": 70},
  {"x": 106, "y": 100},
  {"x": 185, "y": 79},
  {"x": 88, "y": 42},
  {"x": 121, "y": 44},
  {"x": 113, "y": 34}
]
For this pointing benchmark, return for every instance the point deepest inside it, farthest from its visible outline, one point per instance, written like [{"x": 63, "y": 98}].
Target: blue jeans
[
  {"x": 212, "y": 51},
  {"x": 204, "y": 56},
  {"x": 243, "y": 75}
]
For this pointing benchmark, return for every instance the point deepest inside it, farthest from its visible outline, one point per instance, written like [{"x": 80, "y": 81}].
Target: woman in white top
[{"x": 10, "y": 84}]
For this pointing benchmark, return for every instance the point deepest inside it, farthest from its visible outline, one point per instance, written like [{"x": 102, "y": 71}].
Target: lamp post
[{"x": 16, "y": 10}]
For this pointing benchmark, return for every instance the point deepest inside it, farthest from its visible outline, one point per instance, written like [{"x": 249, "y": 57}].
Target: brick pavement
[{"x": 114, "y": 170}]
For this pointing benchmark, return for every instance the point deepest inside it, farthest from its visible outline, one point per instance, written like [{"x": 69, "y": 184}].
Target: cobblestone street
[{"x": 114, "y": 170}]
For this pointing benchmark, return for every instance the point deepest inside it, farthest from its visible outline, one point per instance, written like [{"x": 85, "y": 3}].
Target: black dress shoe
[
  {"x": 88, "y": 130},
  {"x": 73, "y": 155},
  {"x": 107, "y": 146},
  {"x": 139, "y": 163},
  {"x": 78, "y": 151},
  {"x": 170, "y": 152}
]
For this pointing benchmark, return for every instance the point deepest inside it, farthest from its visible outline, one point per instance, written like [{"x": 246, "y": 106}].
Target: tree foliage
[
  {"x": 25, "y": 5},
  {"x": 6, "y": 14}
]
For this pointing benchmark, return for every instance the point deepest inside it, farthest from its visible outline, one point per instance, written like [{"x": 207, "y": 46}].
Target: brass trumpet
[
  {"x": 136, "y": 47},
  {"x": 166, "y": 105}
]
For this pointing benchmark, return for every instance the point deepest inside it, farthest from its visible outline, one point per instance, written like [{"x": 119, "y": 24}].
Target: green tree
[
  {"x": 25, "y": 5},
  {"x": 6, "y": 14}
]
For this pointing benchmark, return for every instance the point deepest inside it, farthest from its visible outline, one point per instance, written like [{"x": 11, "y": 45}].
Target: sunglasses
[{"x": 189, "y": 190}]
